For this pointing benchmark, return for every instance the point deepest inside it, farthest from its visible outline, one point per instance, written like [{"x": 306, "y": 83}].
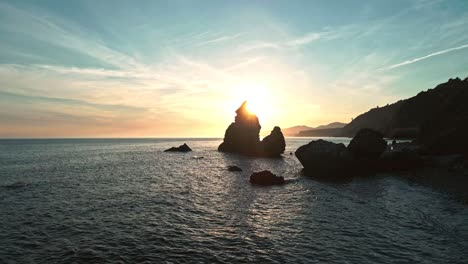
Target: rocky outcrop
[
  {"x": 366, "y": 154},
  {"x": 181, "y": 148},
  {"x": 242, "y": 136},
  {"x": 445, "y": 136},
  {"x": 266, "y": 178},
  {"x": 444, "y": 131},
  {"x": 274, "y": 144},
  {"x": 368, "y": 144},
  {"x": 234, "y": 168},
  {"x": 324, "y": 158},
  {"x": 400, "y": 156}
]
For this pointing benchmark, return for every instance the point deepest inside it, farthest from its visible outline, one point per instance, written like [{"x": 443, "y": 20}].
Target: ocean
[{"x": 126, "y": 201}]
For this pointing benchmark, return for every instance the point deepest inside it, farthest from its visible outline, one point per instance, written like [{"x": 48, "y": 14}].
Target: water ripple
[{"x": 122, "y": 201}]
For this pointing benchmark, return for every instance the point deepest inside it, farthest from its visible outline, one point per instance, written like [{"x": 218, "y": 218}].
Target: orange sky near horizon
[{"x": 165, "y": 69}]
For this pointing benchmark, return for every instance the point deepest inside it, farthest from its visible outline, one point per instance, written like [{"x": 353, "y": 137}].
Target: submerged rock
[
  {"x": 234, "y": 168},
  {"x": 243, "y": 136},
  {"x": 266, "y": 178},
  {"x": 368, "y": 144},
  {"x": 181, "y": 148}
]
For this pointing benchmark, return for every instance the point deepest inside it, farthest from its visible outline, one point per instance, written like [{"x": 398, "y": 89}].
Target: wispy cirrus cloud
[
  {"x": 288, "y": 43},
  {"x": 220, "y": 39},
  {"x": 437, "y": 53},
  {"x": 54, "y": 30},
  {"x": 306, "y": 39}
]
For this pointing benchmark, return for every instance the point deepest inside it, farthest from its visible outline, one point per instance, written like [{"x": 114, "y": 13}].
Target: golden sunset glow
[
  {"x": 258, "y": 99},
  {"x": 168, "y": 71}
]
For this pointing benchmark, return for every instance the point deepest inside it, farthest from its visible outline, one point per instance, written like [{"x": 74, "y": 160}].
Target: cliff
[{"x": 407, "y": 118}]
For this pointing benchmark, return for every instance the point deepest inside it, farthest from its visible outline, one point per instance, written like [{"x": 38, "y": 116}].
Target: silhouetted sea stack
[
  {"x": 181, "y": 148},
  {"x": 274, "y": 144},
  {"x": 243, "y": 135}
]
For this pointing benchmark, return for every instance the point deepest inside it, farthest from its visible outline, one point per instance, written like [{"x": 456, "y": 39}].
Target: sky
[{"x": 181, "y": 68}]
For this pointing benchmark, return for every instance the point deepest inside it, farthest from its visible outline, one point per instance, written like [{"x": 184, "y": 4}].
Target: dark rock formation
[
  {"x": 242, "y": 136},
  {"x": 445, "y": 130},
  {"x": 445, "y": 136},
  {"x": 234, "y": 168},
  {"x": 368, "y": 144},
  {"x": 366, "y": 155},
  {"x": 401, "y": 156},
  {"x": 274, "y": 144},
  {"x": 324, "y": 158},
  {"x": 378, "y": 119},
  {"x": 266, "y": 178},
  {"x": 181, "y": 148}
]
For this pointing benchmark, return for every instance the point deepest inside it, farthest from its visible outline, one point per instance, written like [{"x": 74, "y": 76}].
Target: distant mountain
[
  {"x": 332, "y": 125},
  {"x": 293, "y": 131},
  {"x": 299, "y": 130},
  {"x": 413, "y": 117},
  {"x": 326, "y": 132}
]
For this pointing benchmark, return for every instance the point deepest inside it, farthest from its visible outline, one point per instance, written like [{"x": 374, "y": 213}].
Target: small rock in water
[
  {"x": 15, "y": 185},
  {"x": 266, "y": 178},
  {"x": 181, "y": 148},
  {"x": 234, "y": 168}
]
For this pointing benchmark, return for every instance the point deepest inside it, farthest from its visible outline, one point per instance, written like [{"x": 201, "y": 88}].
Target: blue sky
[{"x": 180, "y": 68}]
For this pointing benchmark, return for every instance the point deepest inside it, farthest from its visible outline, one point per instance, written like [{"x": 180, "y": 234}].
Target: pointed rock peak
[{"x": 242, "y": 108}]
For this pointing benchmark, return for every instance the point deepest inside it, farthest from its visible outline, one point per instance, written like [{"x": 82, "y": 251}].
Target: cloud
[
  {"x": 304, "y": 40},
  {"x": 220, "y": 39},
  {"x": 63, "y": 33},
  {"x": 288, "y": 43},
  {"x": 65, "y": 101},
  {"x": 407, "y": 62}
]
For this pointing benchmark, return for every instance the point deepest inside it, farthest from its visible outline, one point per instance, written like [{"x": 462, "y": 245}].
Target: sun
[
  {"x": 258, "y": 99},
  {"x": 254, "y": 106}
]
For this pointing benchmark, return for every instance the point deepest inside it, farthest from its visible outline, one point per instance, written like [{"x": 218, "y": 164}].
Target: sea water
[{"x": 125, "y": 200}]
